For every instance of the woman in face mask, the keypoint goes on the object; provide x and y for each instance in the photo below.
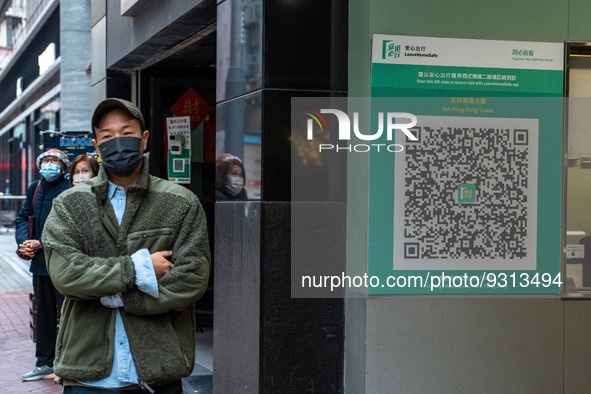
(230, 178)
(82, 169)
(53, 166)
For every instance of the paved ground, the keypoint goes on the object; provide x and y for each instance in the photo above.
(17, 350)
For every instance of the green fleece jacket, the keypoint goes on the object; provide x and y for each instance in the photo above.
(88, 257)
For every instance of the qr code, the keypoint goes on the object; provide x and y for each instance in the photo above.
(178, 165)
(466, 194)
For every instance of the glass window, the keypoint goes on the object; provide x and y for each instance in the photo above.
(576, 269)
(238, 143)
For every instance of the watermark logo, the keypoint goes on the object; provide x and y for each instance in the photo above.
(389, 121)
(320, 121)
(390, 50)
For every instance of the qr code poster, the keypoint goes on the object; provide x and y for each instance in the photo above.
(465, 194)
(179, 149)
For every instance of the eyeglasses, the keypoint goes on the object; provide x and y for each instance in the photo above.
(50, 159)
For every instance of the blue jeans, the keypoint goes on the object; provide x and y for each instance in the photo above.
(170, 388)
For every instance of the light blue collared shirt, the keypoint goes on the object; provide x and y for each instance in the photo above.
(124, 372)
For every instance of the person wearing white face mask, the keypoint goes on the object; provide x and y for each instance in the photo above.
(229, 178)
(52, 165)
(83, 168)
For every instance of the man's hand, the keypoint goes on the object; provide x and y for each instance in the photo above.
(160, 263)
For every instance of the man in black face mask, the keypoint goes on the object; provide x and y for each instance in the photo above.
(130, 252)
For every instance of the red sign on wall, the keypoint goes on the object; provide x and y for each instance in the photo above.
(191, 104)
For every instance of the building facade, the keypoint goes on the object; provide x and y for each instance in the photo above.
(45, 83)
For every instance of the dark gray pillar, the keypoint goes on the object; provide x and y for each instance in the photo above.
(265, 341)
(237, 308)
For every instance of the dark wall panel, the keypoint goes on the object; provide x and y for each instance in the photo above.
(302, 339)
(305, 44)
(237, 297)
(276, 159)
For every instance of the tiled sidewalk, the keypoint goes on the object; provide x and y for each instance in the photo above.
(17, 350)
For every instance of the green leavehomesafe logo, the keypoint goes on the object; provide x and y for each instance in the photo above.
(390, 50)
(466, 193)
